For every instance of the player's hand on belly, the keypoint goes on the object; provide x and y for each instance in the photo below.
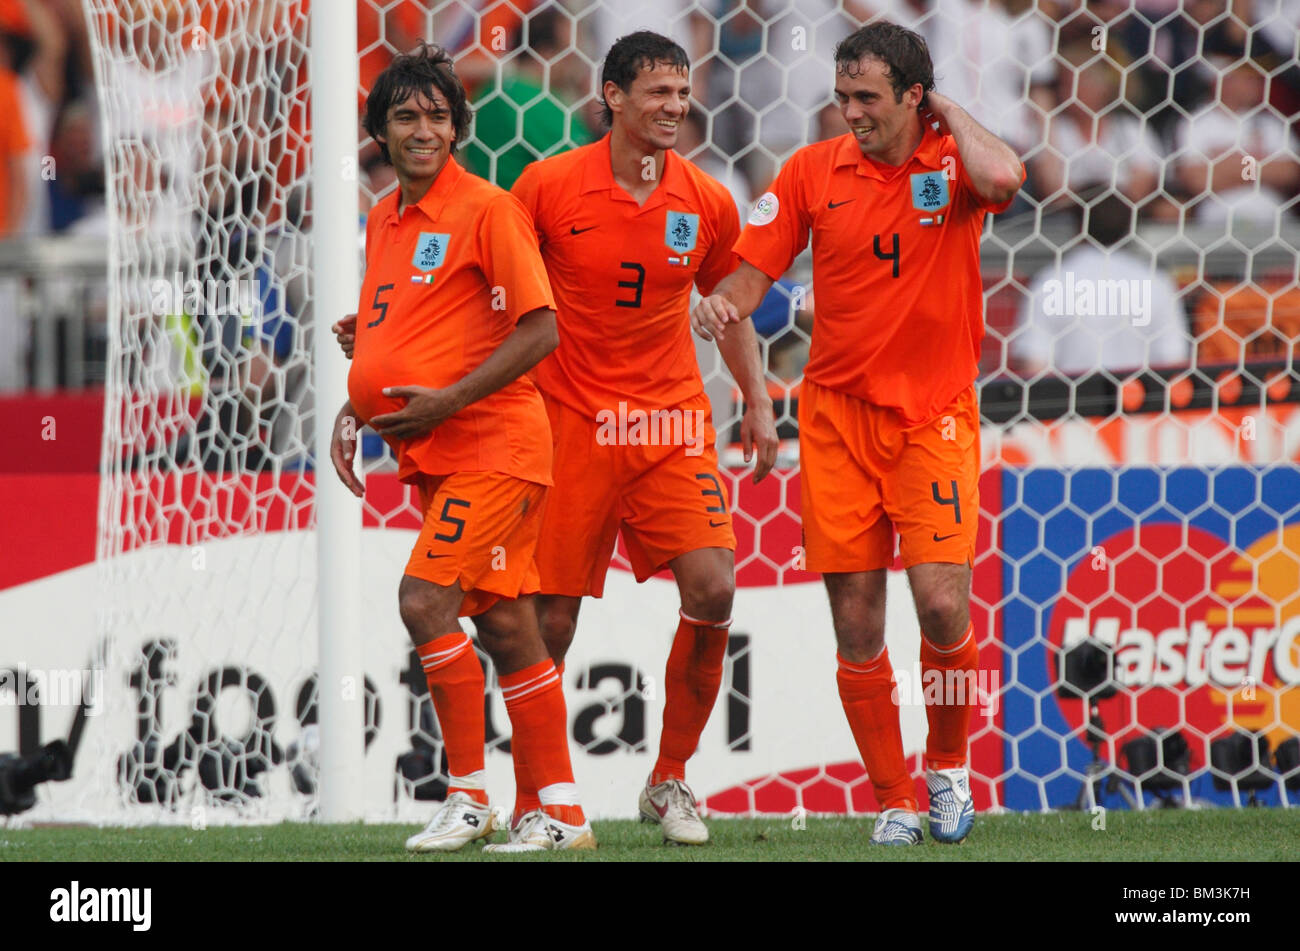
(711, 315)
(345, 331)
(425, 409)
(343, 446)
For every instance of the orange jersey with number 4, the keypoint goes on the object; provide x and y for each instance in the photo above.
(446, 282)
(622, 275)
(899, 303)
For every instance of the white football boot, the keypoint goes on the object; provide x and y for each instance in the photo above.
(897, 827)
(538, 832)
(951, 811)
(460, 821)
(672, 805)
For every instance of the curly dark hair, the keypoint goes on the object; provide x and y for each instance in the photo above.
(424, 69)
(632, 53)
(903, 52)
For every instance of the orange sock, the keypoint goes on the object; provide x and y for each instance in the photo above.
(691, 684)
(945, 747)
(867, 692)
(526, 798)
(456, 685)
(535, 703)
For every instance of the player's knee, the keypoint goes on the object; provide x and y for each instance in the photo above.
(710, 599)
(859, 643)
(942, 614)
(557, 628)
(419, 610)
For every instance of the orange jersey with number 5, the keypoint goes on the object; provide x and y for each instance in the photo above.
(446, 282)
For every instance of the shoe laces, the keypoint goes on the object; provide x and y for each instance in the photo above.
(680, 794)
(449, 814)
(527, 827)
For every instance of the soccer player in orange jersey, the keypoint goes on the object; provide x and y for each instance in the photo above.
(627, 227)
(456, 308)
(888, 421)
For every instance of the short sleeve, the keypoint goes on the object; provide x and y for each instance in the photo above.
(509, 259)
(527, 188)
(719, 262)
(779, 223)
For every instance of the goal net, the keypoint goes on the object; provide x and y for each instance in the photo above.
(1135, 588)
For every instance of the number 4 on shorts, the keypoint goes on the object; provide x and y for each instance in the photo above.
(952, 500)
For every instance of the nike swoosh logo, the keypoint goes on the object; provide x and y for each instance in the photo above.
(836, 204)
(662, 810)
(713, 524)
(573, 230)
(429, 554)
(936, 537)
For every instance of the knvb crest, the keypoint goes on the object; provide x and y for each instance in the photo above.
(430, 250)
(929, 191)
(682, 231)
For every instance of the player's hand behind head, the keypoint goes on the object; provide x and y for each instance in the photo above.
(345, 331)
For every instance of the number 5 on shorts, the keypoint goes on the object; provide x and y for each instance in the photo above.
(450, 519)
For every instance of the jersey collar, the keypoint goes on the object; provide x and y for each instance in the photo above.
(927, 155)
(598, 175)
(435, 199)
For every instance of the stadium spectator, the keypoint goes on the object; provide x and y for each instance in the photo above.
(1097, 139)
(523, 119)
(453, 358)
(76, 192)
(1259, 320)
(1103, 308)
(15, 147)
(1236, 158)
(889, 425)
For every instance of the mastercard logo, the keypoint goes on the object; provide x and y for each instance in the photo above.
(1203, 637)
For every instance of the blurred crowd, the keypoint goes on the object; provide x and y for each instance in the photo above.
(1188, 110)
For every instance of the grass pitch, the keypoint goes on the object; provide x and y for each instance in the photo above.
(1224, 835)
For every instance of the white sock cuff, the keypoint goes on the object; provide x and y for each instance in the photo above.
(475, 780)
(952, 648)
(696, 621)
(559, 794)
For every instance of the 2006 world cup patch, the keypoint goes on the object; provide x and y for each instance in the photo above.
(765, 209)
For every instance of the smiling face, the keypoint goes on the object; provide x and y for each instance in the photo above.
(652, 109)
(419, 134)
(885, 129)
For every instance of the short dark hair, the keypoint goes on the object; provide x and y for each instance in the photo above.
(632, 53)
(424, 69)
(903, 52)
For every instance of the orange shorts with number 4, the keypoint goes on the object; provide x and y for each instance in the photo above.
(480, 531)
(866, 475)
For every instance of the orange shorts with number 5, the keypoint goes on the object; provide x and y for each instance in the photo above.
(866, 475)
(480, 531)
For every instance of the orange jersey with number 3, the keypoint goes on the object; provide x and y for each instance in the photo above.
(899, 303)
(446, 282)
(622, 275)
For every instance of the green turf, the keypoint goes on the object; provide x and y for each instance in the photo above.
(1168, 835)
